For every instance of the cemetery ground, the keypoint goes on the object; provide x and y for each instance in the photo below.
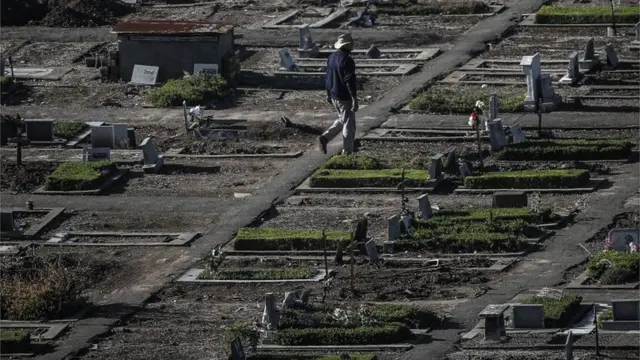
(417, 290)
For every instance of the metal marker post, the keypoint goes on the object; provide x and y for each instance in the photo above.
(479, 145)
(326, 262)
(595, 321)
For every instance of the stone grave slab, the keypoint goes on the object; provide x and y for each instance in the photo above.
(589, 60)
(286, 61)
(496, 135)
(120, 136)
(517, 133)
(621, 238)
(335, 17)
(435, 168)
(152, 161)
(40, 130)
(611, 56)
(531, 68)
(7, 223)
(205, 68)
(573, 70)
(494, 326)
(528, 316)
(414, 55)
(394, 230)
(372, 251)
(493, 107)
(399, 69)
(424, 207)
(510, 199)
(37, 73)
(626, 310)
(144, 75)
(464, 170)
(102, 136)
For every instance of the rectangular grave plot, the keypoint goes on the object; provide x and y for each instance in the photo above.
(387, 55)
(315, 19)
(120, 239)
(29, 224)
(583, 281)
(419, 135)
(40, 331)
(196, 275)
(362, 70)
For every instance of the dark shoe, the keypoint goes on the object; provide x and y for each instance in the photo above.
(322, 144)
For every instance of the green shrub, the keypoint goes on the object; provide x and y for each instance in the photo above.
(368, 178)
(388, 334)
(427, 229)
(195, 89)
(68, 129)
(5, 81)
(258, 274)
(412, 316)
(497, 214)
(557, 312)
(73, 176)
(352, 162)
(423, 8)
(532, 179)
(567, 150)
(14, 341)
(605, 316)
(284, 239)
(586, 14)
(463, 243)
(461, 100)
(625, 269)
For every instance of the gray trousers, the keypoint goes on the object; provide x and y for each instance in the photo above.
(346, 124)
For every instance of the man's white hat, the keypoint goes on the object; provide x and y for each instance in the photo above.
(343, 40)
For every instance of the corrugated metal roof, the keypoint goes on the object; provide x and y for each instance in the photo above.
(170, 27)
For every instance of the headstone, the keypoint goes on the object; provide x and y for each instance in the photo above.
(305, 296)
(101, 136)
(152, 161)
(120, 136)
(531, 68)
(286, 60)
(373, 53)
(451, 163)
(372, 252)
(306, 41)
(494, 327)
(387, 247)
(573, 70)
(550, 100)
(360, 231)
(237, 352)
(407, 219)
(98, 154)
(435, 169)
(620, 238)
(464, 170)
(270, 314)
(205, 68)
(637, 27)
(626, 310)
(568, 346)
(40, 129)
(510, 199)
(589, 61)
(517, 133)
(6, 221)
(144, 75)
(528, 316)
(612, 56)
(393, 228)
(496, 135)
(493, 107)
(289, 299)
(424, 207)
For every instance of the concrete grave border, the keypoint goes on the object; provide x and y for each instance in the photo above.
(335, 348)
(378, 134)
(108, 181)
(177, 153)
(305, 188)
(54, 74)
(335, 16)
(183, 239)
(77, 157)
(578, 282)
(34, 231)
(53, 332)
(594, 184)
(401, 70)
(423, 55)
(530, 21)
(191, 276)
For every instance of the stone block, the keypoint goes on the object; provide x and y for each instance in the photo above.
(144, 75)
(531, 68)
(286, 60)
(496, 135)
(424, 207)
(612, 56)
(6, 221)
(528, 316)
(589, 60)
(626, 310)
(373, 53)
(98, 154)
(435, 169)
(510, 199)
(620, 238)
(621, 325)
(388, 247)
(493, 107)
(393, 228)
(120, 136)
(40, 129)
(517, 133)
(464, 170)
(102, 136)
(372, 251)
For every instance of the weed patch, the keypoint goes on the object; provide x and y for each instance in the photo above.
(73, 176)
(352, 162)
(567, 150)
(14, 341)
(68, 129)
(369, 178)
(611, 267)
(461, 100)
(557, 312)
(462, 242)
(549, 14)
(529, 179)
(365, 335)
(196, 89)
(258, 274)
(284, 239)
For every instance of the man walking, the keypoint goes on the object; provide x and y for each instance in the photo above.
(341, 93)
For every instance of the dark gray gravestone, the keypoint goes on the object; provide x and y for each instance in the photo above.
(452, 161)
(39, 129)
(237, 351)
(435, 169)
(101, 136)
(144, 75)
(528, 316)
(373, 53)
(360, 232)
(6, 221)
(612, 56)
(372, 252)
(510, 199)
(626, 310)
(98, 154)
(424, 207)
(393, 228)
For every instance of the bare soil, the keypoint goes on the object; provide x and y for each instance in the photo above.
(25, 177)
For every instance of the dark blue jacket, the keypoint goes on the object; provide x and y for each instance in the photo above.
(341, 76)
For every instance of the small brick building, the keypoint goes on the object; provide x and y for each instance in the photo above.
(175, 47)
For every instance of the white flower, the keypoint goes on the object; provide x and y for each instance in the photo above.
(480, 104)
